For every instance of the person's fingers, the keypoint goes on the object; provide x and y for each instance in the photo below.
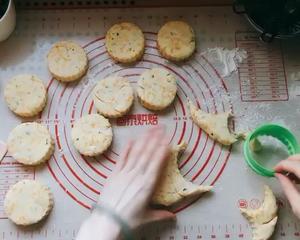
(157, 164)
(295, 157)
(138, 148)
(150, 150)
(288, 166)
(124, 156)
(158, 215)
(291, 193)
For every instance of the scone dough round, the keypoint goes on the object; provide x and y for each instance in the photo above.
(92, 134)
(25, 95)
(125, 42)
(30, 143)
(28, 202)
(113, 96)
(176, 41)
(156, 88)
(67, 61)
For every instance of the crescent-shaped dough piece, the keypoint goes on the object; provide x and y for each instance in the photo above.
(173, 187)
(215, 125)
(263, 231)
(266, 212)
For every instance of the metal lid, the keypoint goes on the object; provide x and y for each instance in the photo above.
(273, 18)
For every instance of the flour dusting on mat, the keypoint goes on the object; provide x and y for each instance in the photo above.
(224, 60)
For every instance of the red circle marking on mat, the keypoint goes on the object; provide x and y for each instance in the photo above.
(174, 71)
(65, 190)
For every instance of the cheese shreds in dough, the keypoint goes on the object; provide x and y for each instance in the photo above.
(125, 42)
(156, 88)
(92, 134)
(30, 143)
(215, 125)
(113, 96)
(173, 187)
(28, 202)
(263, 220)
(25, 95)
(67, 61)
(176, 41)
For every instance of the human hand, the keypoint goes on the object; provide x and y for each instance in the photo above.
(290, 165)
(131, 186)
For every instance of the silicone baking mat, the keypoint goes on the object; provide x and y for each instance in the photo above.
(261, 91)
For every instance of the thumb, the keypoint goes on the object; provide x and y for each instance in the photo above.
(158, 215)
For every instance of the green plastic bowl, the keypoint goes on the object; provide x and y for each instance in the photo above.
(276, 131)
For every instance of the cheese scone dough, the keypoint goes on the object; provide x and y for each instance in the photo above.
(28, 202)
(156, 88)
(92, 134)
(176, 41)
(215, 125)
(25, 95)
(125, 42)
(173, 187)
(30, 143)
(263, 220)
(113, 96)
(67, 61)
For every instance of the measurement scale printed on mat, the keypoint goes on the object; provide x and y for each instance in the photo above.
(261, 91)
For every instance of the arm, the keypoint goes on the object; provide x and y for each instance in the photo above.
(129, 189)
(290, 165)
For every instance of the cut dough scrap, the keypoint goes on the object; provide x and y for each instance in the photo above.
(173, 187)
(113, 96)
(215, 125)
(263, 231)
(67, 61)
(266, 212)
(255, 145)
(28, 202)
(30, 143)
(92, 134)
(25, 95)
(156, 88)
(125, 42)
(176, 41)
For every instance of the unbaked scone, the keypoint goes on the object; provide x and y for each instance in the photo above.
(263, 220)
(30, 143)
(176, 41)
(125, 42)
(67, 61)
(173, 187)
(215, 125)
(28, 202)
(156, 88)
(92, 134)
(25, 95)
(113, 96)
